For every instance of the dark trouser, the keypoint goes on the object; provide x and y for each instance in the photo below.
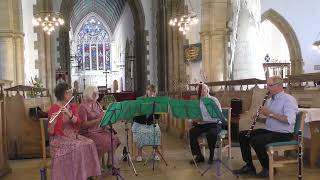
(211, 133)
(258, 140)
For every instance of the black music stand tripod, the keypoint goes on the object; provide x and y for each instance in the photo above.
(155, 149)
(126, 153)
(219, 161)
(114, 171)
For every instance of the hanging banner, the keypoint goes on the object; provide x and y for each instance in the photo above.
(192, 52)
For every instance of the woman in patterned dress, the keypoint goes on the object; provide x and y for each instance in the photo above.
(91, 113)
(74, 157)
(144, 133)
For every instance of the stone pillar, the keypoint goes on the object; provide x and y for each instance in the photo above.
(248, 59)
(214, 35)
(46, 49)
(11, 42)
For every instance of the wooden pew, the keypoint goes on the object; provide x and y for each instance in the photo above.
(23, 130)
(4, 163)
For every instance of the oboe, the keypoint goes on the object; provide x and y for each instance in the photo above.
(257, 115)
(300, 151)
(52, 119)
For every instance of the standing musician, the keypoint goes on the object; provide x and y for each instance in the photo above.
(279, 116)
(208, 126)
(74, 157)
(91, 114)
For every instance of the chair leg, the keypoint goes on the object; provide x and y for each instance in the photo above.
(271, 169)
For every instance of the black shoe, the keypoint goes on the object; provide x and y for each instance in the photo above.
(263, 174)
(245, 170)
(198, 159)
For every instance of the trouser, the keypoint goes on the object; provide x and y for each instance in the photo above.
(258, 139)
(211, 133)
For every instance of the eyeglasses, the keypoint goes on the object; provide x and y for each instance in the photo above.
(271, 85)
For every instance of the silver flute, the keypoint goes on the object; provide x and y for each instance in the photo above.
(53, 118)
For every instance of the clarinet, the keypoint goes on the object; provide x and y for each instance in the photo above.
(257, 115)
(300, 151)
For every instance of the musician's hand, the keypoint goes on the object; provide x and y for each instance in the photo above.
(265, 111)
(66, 111)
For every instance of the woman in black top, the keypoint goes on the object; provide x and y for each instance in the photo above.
(145, 129)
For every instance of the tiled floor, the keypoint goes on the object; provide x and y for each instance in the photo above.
(177, 154)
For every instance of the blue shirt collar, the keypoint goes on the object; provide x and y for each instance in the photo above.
(278, 95)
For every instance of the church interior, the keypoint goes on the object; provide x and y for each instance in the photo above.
(181, 67)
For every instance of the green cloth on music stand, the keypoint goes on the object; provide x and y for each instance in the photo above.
(213, 109)
(153, 105)
(189, 109)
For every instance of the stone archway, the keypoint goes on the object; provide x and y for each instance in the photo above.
(290, 36)
(140, 74)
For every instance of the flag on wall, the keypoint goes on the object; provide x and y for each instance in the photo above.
(192, 52)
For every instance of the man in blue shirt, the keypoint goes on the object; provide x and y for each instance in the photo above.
(279, 115)
(206, 125)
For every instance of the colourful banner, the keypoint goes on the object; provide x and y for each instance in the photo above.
(193, 52)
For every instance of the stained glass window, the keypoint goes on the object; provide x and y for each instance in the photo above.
(93, 45)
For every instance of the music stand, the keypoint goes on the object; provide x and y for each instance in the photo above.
(112, 116)
(186, 109)
(122, 111)
(159, 105)
(126, 154)
(214, 112)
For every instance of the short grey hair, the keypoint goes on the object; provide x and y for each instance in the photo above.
(277, 80)
(88, 93)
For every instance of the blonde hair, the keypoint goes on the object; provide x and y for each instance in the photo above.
(88, 93)
(152, 88)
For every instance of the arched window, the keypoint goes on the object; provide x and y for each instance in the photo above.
(93, 45)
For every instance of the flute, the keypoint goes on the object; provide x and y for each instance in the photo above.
(257, 115)
(52, 119)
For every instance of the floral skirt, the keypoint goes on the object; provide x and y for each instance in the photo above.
(146, 134)
(74, 157)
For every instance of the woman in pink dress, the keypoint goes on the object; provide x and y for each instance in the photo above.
(91, 113)
(74, 157)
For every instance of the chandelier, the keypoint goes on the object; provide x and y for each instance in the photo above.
(184, 22)
(48, 20)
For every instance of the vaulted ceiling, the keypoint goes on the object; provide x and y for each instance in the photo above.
(109, 10)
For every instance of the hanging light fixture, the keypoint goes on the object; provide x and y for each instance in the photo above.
(48, 20)
(184, 22)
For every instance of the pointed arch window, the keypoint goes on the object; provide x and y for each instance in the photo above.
(93, 45)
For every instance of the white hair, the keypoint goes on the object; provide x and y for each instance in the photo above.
(88, 93)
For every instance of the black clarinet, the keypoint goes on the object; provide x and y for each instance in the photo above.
(300, 151)
(257, 115)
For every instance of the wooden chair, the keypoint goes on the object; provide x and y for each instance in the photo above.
(225, 142)
(45, 163)
(274, 148)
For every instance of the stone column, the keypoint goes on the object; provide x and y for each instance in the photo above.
(248, 59)
(11, 42)
(214, 35)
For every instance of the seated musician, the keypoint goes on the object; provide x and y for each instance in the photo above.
(143, 128)
(208, 126)
(74, 157)
(279, 115)
(91, 113)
